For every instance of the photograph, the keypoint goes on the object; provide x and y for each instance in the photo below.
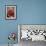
(10, 12)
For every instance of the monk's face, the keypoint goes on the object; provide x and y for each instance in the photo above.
(10, 12)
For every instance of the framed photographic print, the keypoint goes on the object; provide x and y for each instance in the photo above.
(10, 12)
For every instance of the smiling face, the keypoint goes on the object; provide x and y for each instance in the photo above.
(10, 11)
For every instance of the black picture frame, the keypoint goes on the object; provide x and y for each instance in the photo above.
(15, 12)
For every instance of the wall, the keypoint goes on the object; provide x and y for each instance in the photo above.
(28, 12)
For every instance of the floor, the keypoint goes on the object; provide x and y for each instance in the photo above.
(30, 43)
(7, 45)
